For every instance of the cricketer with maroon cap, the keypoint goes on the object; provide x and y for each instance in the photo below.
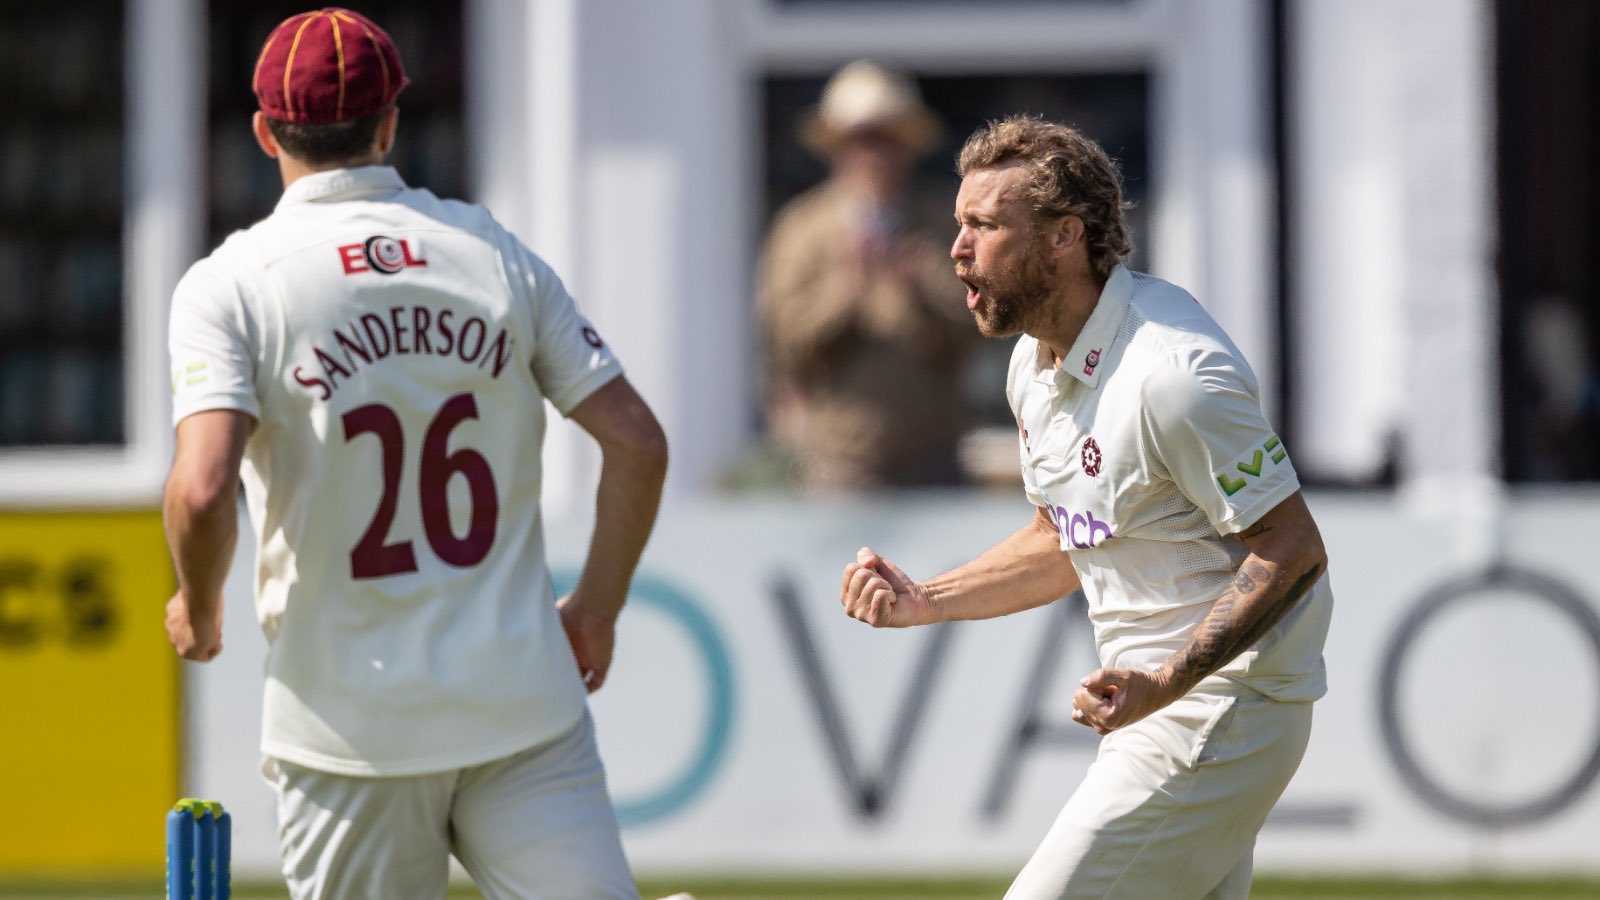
(371, 364)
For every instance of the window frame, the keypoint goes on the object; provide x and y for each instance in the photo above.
(164, 69)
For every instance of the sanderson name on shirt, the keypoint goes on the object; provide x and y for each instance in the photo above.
(405, 331)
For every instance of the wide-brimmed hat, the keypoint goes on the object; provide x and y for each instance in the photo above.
(864, 96)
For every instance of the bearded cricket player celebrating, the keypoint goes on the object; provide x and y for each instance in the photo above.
(1163, 493)
(373, 361)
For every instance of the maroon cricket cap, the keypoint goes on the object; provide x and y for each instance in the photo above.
(331, 65)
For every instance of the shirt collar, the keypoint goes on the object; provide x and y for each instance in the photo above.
(342, 184)
(1094, 341)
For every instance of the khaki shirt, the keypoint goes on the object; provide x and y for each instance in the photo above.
(863, 364)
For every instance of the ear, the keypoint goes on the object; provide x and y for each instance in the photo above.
(1066, 237)
(264, 138)
(386, 130)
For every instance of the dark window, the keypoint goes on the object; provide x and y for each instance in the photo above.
(428, 151)
(61, 304)
(1549, 187)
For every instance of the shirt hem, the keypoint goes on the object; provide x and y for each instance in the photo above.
(1290, 694)
(1252, 514)
(335, 765)
(570, 399)
(228, 403)
(1280, 687)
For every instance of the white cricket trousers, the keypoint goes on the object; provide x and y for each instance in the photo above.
(1171, 805)
(536, 824)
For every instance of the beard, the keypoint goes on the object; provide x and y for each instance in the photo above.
(1016, 296)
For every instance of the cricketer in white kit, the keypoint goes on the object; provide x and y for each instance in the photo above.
(1161, 490)
(372, 362)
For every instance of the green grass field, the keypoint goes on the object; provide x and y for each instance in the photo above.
(715, 888)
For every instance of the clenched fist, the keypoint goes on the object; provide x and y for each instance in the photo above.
(1108, 699)
(879, 594)
(195, 640)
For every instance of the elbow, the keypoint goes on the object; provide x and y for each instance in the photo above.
(211, 501)
(202, 495)
(653, 453)
(644, 451)
(1313, 556)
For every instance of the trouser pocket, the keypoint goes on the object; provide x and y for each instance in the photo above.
(1213, 730)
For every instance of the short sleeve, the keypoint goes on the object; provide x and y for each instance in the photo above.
(209, 339)
(570, 359)
(1202, 418)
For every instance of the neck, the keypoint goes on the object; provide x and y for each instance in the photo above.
(1075, 299)
(293, 170)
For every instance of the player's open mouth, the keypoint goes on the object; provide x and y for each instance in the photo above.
(973, 293)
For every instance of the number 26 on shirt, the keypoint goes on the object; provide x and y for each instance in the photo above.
(374, 556)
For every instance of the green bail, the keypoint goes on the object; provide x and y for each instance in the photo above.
(198, 808)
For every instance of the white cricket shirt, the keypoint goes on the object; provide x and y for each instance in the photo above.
(396, 350)
(1150, 451)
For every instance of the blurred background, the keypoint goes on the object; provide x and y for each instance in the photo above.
(1391, 205)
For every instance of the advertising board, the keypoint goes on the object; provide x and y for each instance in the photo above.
(748, 725)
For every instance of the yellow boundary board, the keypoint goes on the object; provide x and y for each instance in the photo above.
(89, 696)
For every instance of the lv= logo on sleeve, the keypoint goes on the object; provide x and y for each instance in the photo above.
(1271, 450)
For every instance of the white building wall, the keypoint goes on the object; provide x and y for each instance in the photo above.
(1451, 405)
(1214, 232)
(618, 148)
(1391, 161)
(665, 244)
(1348, 252)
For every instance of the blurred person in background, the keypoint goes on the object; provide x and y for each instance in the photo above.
(861, 318)
(377, 360)
(1161, 491)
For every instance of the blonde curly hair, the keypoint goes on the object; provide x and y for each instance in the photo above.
(1067, 175)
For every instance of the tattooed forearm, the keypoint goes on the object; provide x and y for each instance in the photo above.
(1246, 611)
(1220, 629)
